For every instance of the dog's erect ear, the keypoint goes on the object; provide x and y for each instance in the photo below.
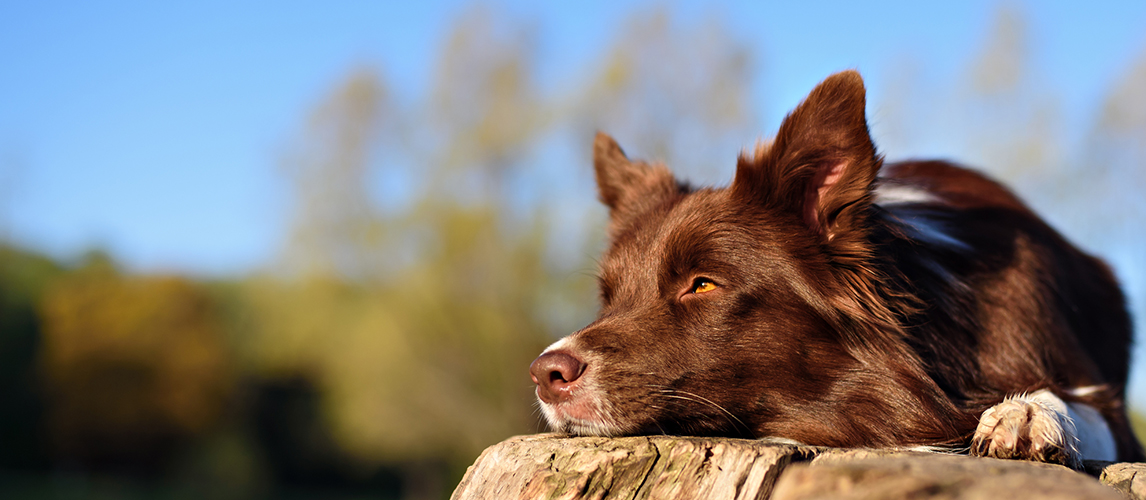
(822, 163)
(626, 186)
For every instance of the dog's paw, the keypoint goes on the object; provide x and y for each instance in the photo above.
(1028, 427)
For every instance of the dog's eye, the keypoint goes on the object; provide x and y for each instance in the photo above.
(703, 285)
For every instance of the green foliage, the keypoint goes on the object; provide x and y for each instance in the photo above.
(419, 320)
(130, 356)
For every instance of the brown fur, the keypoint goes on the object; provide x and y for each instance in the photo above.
(834, 321)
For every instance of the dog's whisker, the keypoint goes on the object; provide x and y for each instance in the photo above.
(732, 419)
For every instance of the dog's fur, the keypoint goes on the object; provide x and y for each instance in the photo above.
(814, 301)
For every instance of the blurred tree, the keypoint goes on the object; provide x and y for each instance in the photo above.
(133, 366)
(334, 230)
(418, 320)
(1112, 166)
(1010, 121)
(680, 93)
(425, 359)
(484, 109)
(24, 276)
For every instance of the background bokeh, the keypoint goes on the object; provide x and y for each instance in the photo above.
(308, 250)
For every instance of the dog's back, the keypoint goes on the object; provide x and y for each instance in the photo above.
(1011, 306)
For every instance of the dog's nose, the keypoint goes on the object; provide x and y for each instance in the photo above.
(554, 373)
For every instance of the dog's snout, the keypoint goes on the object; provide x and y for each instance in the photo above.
(555, 373)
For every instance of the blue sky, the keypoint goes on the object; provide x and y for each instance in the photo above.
(154, 130)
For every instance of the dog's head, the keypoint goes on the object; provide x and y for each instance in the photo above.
(727, 311)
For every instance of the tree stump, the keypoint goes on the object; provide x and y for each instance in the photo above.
(551, 466)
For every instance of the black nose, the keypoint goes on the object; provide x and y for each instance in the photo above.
(555, 373)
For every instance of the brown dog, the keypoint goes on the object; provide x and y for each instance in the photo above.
(814, 301)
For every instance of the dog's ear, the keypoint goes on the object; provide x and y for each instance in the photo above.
(626, 186)
(820, 169)
(822, 163)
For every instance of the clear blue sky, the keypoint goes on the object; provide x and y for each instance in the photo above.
(154, 129)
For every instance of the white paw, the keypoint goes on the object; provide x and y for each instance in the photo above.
(1033, 426)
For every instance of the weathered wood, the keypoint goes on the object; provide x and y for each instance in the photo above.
(864, 474)
(549, 466)
(552, 467)
(1129, 478)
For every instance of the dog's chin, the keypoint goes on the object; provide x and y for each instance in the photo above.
(580, 420)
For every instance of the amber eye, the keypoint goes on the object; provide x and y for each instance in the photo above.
(703, 285)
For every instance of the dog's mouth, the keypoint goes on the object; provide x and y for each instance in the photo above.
(581, 415)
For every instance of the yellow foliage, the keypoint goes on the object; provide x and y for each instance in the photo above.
(131, 356)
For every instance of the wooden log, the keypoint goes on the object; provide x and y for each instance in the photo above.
(872, 474)
(1122, 476)
(550, 466)
(553, 467)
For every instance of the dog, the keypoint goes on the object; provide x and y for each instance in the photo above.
(828, 299)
